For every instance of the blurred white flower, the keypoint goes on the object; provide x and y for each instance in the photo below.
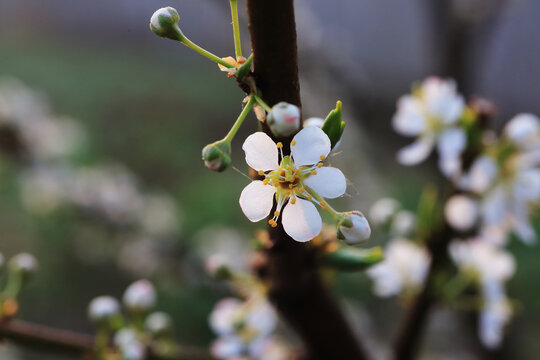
(403, 223)
(404, 267)
(44, 189)
(383, 210)
(103, 308)
(131, 348)
(524, 131)
(431, 114)
(140, 296)
(158, 323)
(158, 215)
(291, 182)
(461, 212)
(139, 256)
(24, 263)
(242, 327)
(493, 319)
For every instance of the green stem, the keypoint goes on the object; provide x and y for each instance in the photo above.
(13, 285)
(236, 28)
(240, 120)
(262, 103)
(205, 53)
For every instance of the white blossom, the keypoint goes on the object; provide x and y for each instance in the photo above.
(131, 348)
(431, 115)
(404, 267)
(403, 223)
(383, 210)
(102, 308)
(24, 263)
(158, 323)
(296, 183)
(140, 296)
(242, 326)
(461, 212)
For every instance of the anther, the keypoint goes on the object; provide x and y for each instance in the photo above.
(279, 145)
(293, 201)
(265, 182)
(276, 213)
(293, 142)
(261, 173)
(314, 172)
(301, 189)
(323, 157)
(319, 165)
(290, 186)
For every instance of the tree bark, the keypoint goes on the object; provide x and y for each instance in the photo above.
(296, 287)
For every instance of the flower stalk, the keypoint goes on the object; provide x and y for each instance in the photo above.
(236, 28)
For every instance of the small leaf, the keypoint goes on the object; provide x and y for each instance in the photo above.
(352, 259)
(333, 125)
(244, 69)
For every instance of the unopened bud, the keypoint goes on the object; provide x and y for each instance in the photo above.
(524, 130)
(217, 156)
(164, 23)
(140, 296)
(127, 341)
(103, 308)
(354, 228)
(25, 264)
(284, 119)
(461, 212)
(158, 324)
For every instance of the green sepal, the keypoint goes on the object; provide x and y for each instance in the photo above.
(219, 152)
(245, 68)
(333, 126)
(352, 259)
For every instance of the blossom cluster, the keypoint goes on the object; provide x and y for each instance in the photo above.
(135, 331)
(497, 188)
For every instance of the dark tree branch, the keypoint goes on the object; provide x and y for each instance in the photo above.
(296, 288)
(65, 342)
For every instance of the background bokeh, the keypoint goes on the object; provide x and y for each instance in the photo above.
(151, 105)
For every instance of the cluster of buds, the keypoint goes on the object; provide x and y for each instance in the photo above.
(135, 330)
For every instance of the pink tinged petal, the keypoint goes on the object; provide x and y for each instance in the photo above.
(256, 200)
(261, 152)
(329, 182)
(301, 220)
(311, 146)
(409, 119)
(416, 152)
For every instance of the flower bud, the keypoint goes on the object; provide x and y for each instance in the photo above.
(164, 23)
(103, 308)
(217, 156)
(284, 119)
(25, 264)
(140, 296)
(354, 228)
(127, 341)
(461, 212)
(158, 324)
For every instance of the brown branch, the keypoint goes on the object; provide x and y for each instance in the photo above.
(296, 287)
(65, 342)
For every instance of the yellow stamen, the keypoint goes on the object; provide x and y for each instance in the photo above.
(314, 172)
(293, 201)
(309, 197)
(301, 189)
(319, 165)
(265, 182)
(261, 173)
(323, 205)
(290, 186)
(293, 142)
(323, 157)
(279, 145)
(276, 213)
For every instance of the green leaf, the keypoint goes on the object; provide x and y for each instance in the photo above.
(333, 125)
(352, 259)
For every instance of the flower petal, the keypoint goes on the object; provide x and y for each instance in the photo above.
(416, 152)
(256, 200)
(329, 182)
(261, 152)
(311, 146)
(301, 220)
(409, 119)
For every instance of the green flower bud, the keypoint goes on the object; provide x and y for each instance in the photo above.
(217, 156)
(164, 23)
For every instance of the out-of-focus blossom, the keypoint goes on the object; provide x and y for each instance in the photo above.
(159, 216)
(431, 114)
(404, 268)
(491, 267)
(129, 345)
(44, 188)
(524, 131)
(284, 119)
(24, 263)
(158, 323)
(139, 256)
(291, 182)
(383, 210)
(140, 296)
(243, 327)
(103, 308)
(461, 212)
(403, 223)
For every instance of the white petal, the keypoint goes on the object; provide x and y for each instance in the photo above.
(482, 174)
(451, 143)
(301, 220)
(416, 152)
(310, 144)
(409, 119)
(461, 212)
(226, 347)
(329, 182)
(256, 200)
(261, 152)
(314, 121)
(524, 130)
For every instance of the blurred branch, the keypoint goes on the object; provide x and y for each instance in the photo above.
(296, 288)
(44, 338)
